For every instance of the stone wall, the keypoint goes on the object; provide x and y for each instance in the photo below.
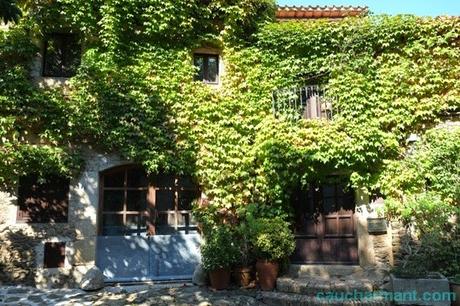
(22, 247)
(403, 242)
(21, 252)
(375, 250)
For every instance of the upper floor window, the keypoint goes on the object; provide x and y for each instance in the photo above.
(61, 55)
(208, 67)
(43, 200)
(307, 102)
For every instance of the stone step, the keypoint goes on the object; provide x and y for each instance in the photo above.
(324, 270)
(292, 299)
(314, 285)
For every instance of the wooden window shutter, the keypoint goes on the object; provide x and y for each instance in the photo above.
(43, 201)
(54, 255)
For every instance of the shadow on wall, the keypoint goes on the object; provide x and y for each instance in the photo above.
(144, 258)
(22, 249)
(403, 242)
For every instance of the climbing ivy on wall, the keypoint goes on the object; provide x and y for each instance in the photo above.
(135, 94)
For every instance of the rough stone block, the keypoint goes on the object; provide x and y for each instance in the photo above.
(92, 280)
(425, 290)
(85, 251)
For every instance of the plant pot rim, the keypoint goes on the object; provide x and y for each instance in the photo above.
(217, 269)
(243, 268)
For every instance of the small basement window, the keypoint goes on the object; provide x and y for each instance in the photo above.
(208, 67)
(61, 56)
(54, 256)
(43, 200)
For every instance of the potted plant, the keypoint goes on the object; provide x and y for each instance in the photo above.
(219, 252)
(455, 289)
(413, 276)
(273, 240)
(243, 271)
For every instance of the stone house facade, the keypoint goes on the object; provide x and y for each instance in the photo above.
(57, 254)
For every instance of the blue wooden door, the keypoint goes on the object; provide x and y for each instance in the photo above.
(146, 231)
(162, 257)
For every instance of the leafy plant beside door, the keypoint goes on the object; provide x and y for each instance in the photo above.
(243, 270)
(219, 253)
(273, 241)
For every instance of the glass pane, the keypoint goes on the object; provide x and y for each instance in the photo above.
(112, 219)
(329, 205)
(186, 223)
(114, 179)
(112, 225)
(328, 190)
(163, 181)
(54, 57)
(136, 200)
(186, 199)
(186, 182)
(136, 224)
(165, 224)
(341, 190)
(349, 202)
(212, 69)
(62, 55)
(137, 178)
(183, 219)
(199, 63)
(164, 200)
(71, 51)
(113, 200)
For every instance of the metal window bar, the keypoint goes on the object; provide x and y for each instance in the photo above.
(306, 102)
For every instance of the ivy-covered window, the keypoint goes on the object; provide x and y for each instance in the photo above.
(61, 56)
(43, 200)
(208, 68)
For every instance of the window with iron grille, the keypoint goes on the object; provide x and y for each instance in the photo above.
(61, 56)
(307, 102)
(208, 67)
(54, 255)
(43, 200)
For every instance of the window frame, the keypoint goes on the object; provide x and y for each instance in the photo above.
(24, 216)
(151, 212)
(53, 35)
(176, 188)
(53, 260)
(206, 57)
(124, 212)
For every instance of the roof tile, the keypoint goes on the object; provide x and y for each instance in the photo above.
(316, 12)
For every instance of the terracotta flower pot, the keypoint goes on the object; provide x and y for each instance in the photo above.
(220, 278)
(455, 288)
(267, 272)
(243, 276)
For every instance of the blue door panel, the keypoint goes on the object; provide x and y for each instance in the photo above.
(134, 258)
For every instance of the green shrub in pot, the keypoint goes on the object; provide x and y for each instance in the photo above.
(273, 241)
(272, 238)
(243, 270)
(219, 252)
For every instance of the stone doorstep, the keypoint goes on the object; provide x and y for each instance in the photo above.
(312, 285)
(299, 270)
(292, 299)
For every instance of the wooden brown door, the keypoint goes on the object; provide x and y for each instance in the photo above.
(325, 226)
